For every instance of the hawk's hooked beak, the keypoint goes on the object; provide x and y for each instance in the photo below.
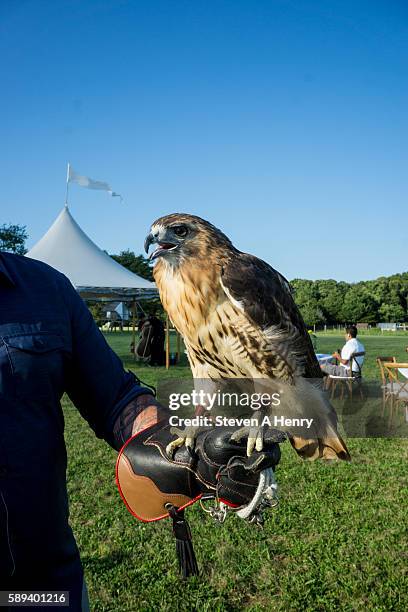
(162, 247)
(148, 241)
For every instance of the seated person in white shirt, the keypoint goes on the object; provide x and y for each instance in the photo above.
(351, 347)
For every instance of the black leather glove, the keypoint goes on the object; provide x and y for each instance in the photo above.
(148, 480)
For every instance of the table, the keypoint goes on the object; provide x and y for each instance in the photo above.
(323, 358)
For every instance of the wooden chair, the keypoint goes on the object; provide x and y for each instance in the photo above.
(384, 379)
(380, 362)
(351, 378)
(396, 387)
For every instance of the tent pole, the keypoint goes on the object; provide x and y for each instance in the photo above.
(134, 330)
(66, 190)
(178, 347)
(167, 343)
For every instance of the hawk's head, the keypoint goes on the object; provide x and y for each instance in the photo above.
(180, 236)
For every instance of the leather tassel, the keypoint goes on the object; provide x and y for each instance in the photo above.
(184, 546)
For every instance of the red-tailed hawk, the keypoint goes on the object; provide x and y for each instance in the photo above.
(238, 319)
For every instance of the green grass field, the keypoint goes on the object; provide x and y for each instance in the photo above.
(337, 541)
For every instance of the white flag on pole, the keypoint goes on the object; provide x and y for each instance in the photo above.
(85, 181)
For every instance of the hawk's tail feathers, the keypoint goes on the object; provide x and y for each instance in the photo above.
(326, 448)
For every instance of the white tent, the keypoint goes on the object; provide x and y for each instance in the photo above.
(123, 311)
(94, 274)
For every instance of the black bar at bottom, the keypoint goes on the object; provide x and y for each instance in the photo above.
(34, 599)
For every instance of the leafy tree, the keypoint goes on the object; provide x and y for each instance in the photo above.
(331, 296)
(391, 312)
(135, 263)
(312, 314)
(358, 306)
(306, 296)
(379, 289)
(382, 299)
(13, 238)
(96, 309)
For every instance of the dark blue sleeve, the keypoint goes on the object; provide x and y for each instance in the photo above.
(96, 382)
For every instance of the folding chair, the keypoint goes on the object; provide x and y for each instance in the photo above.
(396, 388)
(349, 379)
(384, 379)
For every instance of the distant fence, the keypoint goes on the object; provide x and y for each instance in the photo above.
(365, 328)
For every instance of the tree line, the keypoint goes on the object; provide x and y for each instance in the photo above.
(384, 299)
(321, 302)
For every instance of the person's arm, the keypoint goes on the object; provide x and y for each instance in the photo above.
(141, 413)
(113, 401)
(340, 359)
(343, 360)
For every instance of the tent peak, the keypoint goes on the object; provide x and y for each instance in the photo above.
(66, 247)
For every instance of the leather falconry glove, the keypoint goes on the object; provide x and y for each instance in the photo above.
(155, 486)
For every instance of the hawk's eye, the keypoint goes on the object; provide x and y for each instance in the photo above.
(180, 230)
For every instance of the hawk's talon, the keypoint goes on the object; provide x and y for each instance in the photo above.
(186, 436)
(255, 438)
(173, 446)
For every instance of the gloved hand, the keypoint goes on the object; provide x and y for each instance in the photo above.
(149, 481)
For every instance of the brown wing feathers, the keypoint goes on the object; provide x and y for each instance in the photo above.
(266, 298)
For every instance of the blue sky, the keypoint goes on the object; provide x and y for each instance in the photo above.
(282, 122)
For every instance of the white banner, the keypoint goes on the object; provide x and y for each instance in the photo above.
(85, 181)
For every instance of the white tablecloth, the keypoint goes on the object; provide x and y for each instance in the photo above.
(324, 357)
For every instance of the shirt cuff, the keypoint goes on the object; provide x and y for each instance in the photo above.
(128, 398)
